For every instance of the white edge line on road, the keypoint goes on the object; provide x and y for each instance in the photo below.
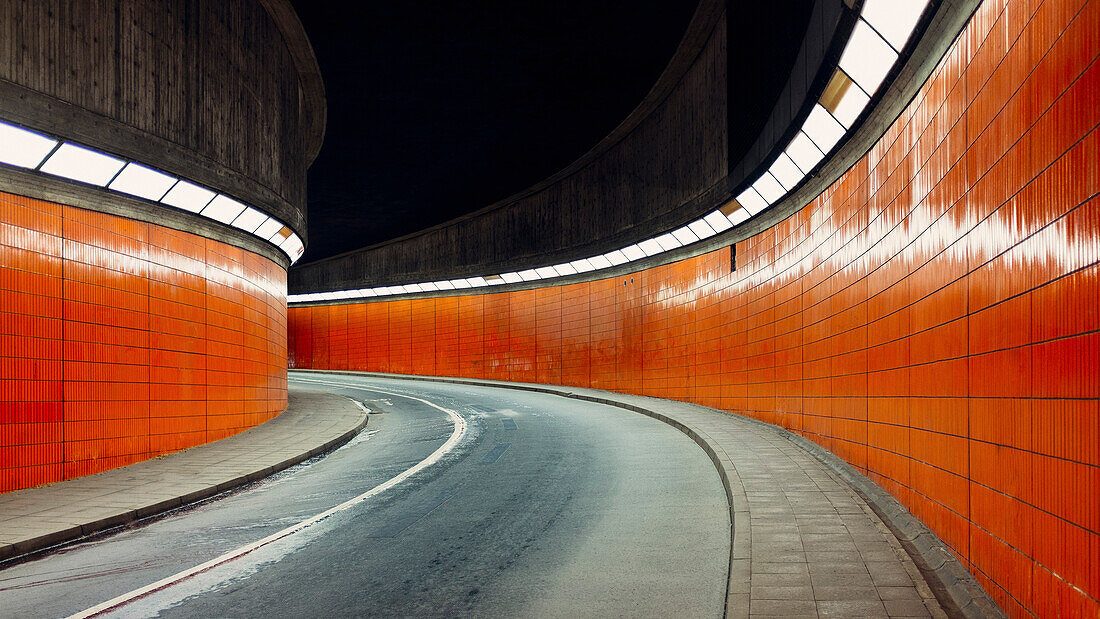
(361, 405)
(456, 436)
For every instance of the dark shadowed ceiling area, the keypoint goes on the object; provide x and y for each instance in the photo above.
(437, 109)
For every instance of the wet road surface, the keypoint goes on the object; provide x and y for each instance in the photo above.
(540, 506)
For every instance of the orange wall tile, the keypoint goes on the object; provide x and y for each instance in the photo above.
(932, 317)
(122, 340)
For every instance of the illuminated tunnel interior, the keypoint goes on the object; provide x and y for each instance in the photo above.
(581, 309)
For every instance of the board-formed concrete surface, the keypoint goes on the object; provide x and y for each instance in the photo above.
(37, 518)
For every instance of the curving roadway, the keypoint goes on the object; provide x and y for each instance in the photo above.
(456, 500)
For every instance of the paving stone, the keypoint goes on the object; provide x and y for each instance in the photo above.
(835, 579)
(798, 579)
(805, 592)
(906, 608)
(772, 567)
(783, 608)
(851, 608)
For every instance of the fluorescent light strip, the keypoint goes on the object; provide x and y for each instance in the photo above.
(804, 152)
(769, 188)
(249, 220)
(823, 129)
(582, 266)
(739, 216)
(82, 164)
(650, 247)
(685, 235)
(564, 269)
(717, 221)
(751, 201)
(138, 180)
(702, 229)
(223, 208)
(22, 148)
(268, 228)
(851, 106)
(600, 262)
(786, 172)
(867, 59)
(668, 242)
(894, 19)
(188, 196)
(617, 257)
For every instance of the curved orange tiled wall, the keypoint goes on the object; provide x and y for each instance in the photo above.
(121, 340)
(932, 317)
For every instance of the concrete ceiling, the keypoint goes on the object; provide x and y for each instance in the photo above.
(438, 109)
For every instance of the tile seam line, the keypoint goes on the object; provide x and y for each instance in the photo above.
(955, 588)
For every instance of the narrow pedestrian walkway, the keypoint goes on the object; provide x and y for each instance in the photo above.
(37, 518)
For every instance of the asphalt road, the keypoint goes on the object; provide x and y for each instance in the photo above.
(544, 506)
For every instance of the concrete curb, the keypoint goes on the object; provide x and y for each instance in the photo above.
(23, 548)
(954, 586)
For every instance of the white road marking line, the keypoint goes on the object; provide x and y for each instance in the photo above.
(456, 436)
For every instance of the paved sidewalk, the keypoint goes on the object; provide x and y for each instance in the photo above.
(314, 423)
(809, 536)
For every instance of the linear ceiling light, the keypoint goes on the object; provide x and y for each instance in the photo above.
(582, 266)
(618, 257)
(786, 172)
(631, 253)
(249, 220)
(564, 269)
(650, 247)
(82, 164)
(23, 148)
(600, 262)
(138, 180)
(685, 235)
(223, 208)
(894, 19)
(717, 220)
(867, 58)
(804, 153)
(751, 201)
(668, 242)
(268, 228)
(293, 247)
(702, 229)
(823, 129)
(188, 196)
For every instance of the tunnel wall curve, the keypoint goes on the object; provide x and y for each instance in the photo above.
(225, 94)
(122, 340)
(931, 317)
(132, 325)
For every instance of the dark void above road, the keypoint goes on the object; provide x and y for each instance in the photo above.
(528, 504)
